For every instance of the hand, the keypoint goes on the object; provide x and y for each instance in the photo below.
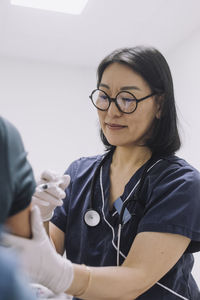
(50, 192)
(40, 260)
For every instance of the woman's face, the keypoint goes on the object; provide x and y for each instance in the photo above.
(122, 129)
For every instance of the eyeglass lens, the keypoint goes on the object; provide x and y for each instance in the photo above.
(125, 101)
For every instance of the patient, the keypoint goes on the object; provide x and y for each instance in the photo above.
(16, 188)
(17, 183)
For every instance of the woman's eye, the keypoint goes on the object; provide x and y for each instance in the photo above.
(127, 99)
(103, 97)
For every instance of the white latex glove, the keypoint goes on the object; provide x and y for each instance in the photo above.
(39, 258)
(50, 192)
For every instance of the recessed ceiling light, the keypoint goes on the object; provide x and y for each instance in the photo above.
(74, 7)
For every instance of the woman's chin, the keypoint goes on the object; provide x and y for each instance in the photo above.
(115, 142)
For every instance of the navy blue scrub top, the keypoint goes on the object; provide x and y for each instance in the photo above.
(171, 204)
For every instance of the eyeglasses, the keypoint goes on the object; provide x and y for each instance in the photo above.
(125, 101)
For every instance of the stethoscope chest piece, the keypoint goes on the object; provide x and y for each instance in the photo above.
(92, 218)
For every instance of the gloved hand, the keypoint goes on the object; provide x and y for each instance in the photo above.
(39, 258)
(50, 192)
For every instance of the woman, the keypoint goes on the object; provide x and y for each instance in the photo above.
(144, 207)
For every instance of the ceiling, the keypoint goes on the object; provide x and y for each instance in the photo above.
(103, 26)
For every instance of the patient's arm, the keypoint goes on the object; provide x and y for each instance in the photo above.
(19, 223)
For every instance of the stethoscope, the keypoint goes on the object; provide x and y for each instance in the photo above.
(92, 216)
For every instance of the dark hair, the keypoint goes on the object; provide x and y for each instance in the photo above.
(149, 63)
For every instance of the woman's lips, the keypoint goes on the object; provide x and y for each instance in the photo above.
(115, 126)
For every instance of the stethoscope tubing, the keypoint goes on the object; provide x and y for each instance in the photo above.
(91, 216)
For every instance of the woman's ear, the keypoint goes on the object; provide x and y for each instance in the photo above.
(159, 105)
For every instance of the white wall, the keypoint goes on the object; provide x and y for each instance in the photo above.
(184, 61)
(49, 104)
(185, 66)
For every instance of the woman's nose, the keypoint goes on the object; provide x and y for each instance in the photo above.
(113, 110)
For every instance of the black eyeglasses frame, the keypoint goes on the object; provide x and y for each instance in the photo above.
(115, 100)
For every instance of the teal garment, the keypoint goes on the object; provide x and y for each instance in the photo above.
(17, 182)
(17, 186)
(13, 285)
